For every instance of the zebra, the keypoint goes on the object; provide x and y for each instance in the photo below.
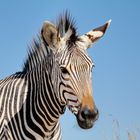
(56, 74)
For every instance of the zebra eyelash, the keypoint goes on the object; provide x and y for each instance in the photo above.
(64, 70)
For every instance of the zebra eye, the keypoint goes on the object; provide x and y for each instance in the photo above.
(64, 70)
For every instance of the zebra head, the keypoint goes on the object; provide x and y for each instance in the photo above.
(72, 67)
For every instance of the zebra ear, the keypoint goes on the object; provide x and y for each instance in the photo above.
(93, 35)
(50, 35)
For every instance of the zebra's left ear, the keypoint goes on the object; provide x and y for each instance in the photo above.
(93, 35)
(50, 35)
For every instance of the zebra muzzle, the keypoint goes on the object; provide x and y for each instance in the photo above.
(86, 117)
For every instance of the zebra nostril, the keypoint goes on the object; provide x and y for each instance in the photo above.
(86, 114)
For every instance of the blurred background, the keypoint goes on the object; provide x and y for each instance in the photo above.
(116, 76)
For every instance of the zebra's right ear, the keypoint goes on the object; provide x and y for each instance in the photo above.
(50, 35)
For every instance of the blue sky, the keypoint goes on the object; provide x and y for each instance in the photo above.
(116, 81)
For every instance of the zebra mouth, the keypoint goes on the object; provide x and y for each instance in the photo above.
(85, 124)
(74, 109)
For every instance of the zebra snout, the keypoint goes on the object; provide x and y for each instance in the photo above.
(87, 117)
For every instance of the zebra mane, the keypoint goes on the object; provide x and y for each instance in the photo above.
(66, 22)
(39, 50)
(36, 54)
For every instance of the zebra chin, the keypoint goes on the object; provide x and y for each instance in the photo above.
(85, 124)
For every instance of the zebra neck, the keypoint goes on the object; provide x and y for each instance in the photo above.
(42, 102)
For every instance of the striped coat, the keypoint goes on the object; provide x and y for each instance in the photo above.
(56, 75)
